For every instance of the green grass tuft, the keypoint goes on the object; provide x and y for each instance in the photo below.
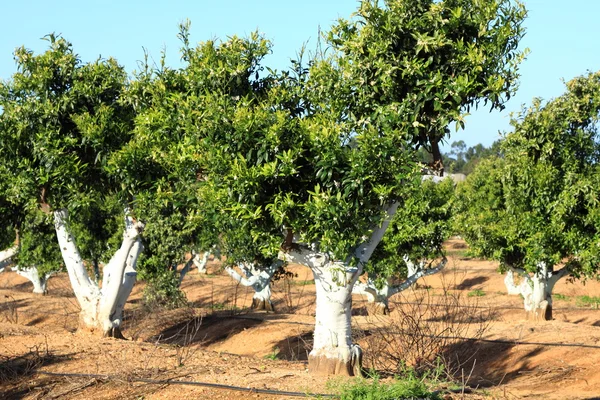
(476, 293)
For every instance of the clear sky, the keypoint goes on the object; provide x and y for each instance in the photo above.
(563, 37)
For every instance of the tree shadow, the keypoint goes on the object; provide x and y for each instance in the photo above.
(295, 348)
(16, 372)
(203, 330)
(485, 363)
(471, 282)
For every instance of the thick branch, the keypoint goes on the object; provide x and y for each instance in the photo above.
(364, 289)
(8, 253)
(365, 250)
(186, 269)
(84, 288)
(555, 277)
(416, 276)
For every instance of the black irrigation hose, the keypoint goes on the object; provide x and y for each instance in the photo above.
(188, 383)
(516, 342)
(492, 307)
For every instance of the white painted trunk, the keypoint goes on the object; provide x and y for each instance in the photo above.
(333, 352)
(98, 306)
(40, 282)
(537, 291)
(509, 281)
(7, 254)
(200, 262)
(260, 280)
(129, 279)
(380, 296)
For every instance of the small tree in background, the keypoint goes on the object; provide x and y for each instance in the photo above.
(544, 195)
(412, 246)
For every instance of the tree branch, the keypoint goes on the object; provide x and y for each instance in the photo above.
(415, 277)
(365, 250)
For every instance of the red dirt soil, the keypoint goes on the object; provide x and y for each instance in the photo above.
(218, 340)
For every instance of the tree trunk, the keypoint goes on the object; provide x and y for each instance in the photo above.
(538, 302)
(6, 255)
(509, 282)
(40, 282)
(537, 292)
(260, 280)
(333, 352)
(129, 279)
(98, 306)
(437, 164)
(200, 262)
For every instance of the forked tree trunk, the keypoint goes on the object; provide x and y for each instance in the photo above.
(260, 280)
(40, 282)
(200, 262)
(378, 298)
(333, 352)
(101, 308)
(536, 291)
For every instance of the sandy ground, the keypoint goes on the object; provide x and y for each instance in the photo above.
(218, 340)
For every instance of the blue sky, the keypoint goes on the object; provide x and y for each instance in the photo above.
(562, 36)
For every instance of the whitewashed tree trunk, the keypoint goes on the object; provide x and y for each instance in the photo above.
(379, 297)
(536, 290)
(200, 262)
(333, 352)
(260, 280)
(98, 305)
(129, 279)
(7, 254)
(40, 282)
(511, 286)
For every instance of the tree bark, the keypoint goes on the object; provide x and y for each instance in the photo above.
(40, 282)
(260, 280)
(200, 262)
(437, 164)
(98, 306)
(378, 298)
(537, 292)
(7, 254)
(333, 352)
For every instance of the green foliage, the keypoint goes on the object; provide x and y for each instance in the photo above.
(162, 290)
(402, 388)
(476, 293)
(37, 244)
(558, 296)
(60, 121)
(418, 230)
(540, 203)
(593, 301)
(274, 355)
(417, 66)
(325, 166)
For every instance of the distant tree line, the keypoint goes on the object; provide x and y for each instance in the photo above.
(460, 158)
